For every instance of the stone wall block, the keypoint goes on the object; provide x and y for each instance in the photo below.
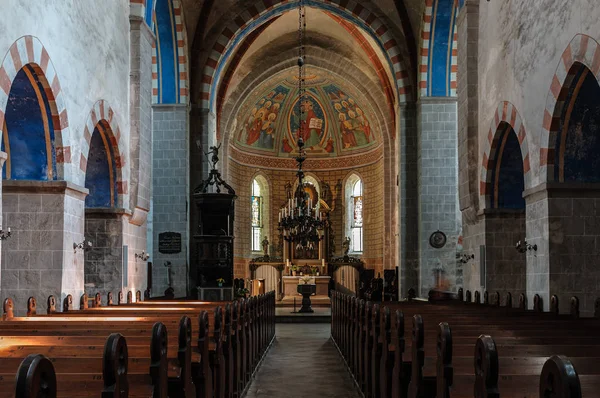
(30, 203)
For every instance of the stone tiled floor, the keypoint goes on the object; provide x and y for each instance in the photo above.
(302, 363)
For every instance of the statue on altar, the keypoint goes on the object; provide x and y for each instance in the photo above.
(346, 245)
(265, 246)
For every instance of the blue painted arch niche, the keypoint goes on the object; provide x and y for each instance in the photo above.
(101, 171)
(28, 137)
(577, 146)
(506, 166)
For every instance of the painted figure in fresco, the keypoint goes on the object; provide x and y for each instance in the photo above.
(354, 126)
(260, 126)
(348, 138)
(311, 125)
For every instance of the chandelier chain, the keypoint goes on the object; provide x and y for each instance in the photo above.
(300, 220)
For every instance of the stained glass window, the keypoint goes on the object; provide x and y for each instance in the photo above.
(357, 219)
(256, 213)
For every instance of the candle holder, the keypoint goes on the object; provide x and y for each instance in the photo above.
(5, 234)
(523, 246)
(85, 245)
(142, 256)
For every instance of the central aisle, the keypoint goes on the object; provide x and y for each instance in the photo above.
(302, 363)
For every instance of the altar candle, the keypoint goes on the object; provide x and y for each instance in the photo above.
(323, 263)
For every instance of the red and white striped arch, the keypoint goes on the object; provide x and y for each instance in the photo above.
(352, 8)
(29, 50)
(505, 112)
(102, 112)
(424, 53)
(181, 45)
(584, 50)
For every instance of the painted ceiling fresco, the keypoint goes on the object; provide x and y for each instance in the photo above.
(333, 121)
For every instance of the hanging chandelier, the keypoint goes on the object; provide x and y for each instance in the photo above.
(300, 220)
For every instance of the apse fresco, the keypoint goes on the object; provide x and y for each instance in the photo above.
(355, 129)
(310, 125)
(508, 177)
(29, 132)
(259, 129)
(334, 122)
(578, 144)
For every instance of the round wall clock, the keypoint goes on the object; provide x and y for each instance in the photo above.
(437, 239)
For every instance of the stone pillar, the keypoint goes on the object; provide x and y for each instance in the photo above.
(505, 266)
(3, 157)
(438, 181)
(140, 148)
(104, 261)
(564, 223)
(409, 200)
(140, 188)
(473, 227)
(538, 263)
(468, 109)
(170, 193)
(47, 218)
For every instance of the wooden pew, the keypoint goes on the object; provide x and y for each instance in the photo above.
(443, 370)
(258, 311)
(110, 375)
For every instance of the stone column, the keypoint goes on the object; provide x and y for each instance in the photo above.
(140, 188)
(473, 227)
(468, 107)
(47, 218)
(409, 200)
(104, 260)
(3, 157)
(505, 266)
(564, 223)
(170, 192)
(538, 263)
(438, 181)
(140, 149)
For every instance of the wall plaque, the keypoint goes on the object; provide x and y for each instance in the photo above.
(169, 242)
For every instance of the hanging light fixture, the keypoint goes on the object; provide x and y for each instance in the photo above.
(300, 220)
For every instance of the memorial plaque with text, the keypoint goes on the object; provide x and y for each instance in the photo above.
(169, 242)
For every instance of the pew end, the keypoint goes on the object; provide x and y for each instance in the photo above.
(51, 305)
(559, 379)
(114, 367)
(31, 306)
(486, 368)
(8, 309)
(35, 378)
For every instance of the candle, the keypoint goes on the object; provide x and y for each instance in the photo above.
(323, 262)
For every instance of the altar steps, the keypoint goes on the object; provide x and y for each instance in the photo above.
(286, 315)
(320, 304)
(317, 301)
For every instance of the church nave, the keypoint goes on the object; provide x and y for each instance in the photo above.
(302, 362)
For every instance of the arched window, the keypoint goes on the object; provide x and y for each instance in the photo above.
(354, 213)
(256, 214)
